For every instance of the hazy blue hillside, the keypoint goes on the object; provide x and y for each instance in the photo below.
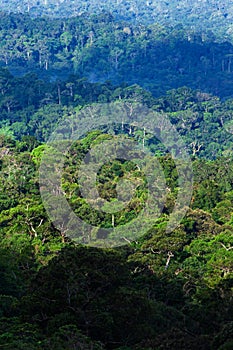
(211, 14)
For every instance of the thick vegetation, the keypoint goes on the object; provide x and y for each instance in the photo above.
(171, 290)
(31, 106)
(214, 16)
(156, 57)
(159, 291)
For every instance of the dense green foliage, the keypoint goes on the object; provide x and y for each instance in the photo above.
(156, 57)
(171, 290)
(31, 106)
(162, 290)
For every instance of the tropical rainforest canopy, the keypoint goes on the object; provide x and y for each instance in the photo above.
(161, 290)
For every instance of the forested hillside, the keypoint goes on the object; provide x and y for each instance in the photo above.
(31, 106)
(156, 57)
(155, 289)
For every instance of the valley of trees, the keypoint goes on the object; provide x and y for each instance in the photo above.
(162, 290)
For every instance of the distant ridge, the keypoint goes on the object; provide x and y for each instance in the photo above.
(146, 11)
